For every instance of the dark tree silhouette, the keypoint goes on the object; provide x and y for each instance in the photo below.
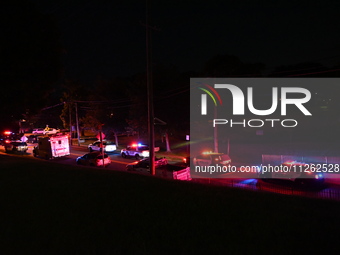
(231, 66)
(30, 58)
(307, 69)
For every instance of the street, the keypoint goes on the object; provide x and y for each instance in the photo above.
(331, 189)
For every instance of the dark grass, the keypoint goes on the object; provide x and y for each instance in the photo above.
(49, 208)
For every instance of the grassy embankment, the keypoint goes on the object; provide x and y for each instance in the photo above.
(50, 208)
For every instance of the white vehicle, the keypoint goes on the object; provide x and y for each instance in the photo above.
(211, 158)
(97, 146)
(51, 131)
(16, 146)
(52, 147)
(45, 131)
(38, 131)
(137, 151)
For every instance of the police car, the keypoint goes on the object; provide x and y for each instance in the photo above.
(299, 172)
(137, 151)
(15, 146)
(209, 158)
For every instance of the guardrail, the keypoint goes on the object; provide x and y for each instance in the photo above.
(279, 159)
(256, 185)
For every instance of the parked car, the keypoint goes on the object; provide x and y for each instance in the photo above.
(45, 131)
(298, 172)
(32, 139)
(137, 151)
(145, 164)
(94, 159)
(97, 146)
(38, 131)
(211, 158)
(16, 146)
(51, 131)
(8, 136)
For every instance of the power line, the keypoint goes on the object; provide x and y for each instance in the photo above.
(328, 71)
(49, 107)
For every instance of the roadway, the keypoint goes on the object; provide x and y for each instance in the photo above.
(332, 187)
(117, 162)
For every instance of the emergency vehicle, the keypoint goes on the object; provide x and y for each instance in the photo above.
(137, 151)
(209, 158)
(299, 172)
(52, 147)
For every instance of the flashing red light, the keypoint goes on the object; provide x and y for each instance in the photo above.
(7, 141)
(7, 132)
(134, 145)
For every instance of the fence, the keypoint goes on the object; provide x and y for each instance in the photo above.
(331, 172)
(283, 187)
(279, 159)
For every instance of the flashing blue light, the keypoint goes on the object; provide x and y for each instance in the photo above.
(139, 144)
(247, 181)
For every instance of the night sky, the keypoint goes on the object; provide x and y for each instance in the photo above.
(45, 43)
(107, 38)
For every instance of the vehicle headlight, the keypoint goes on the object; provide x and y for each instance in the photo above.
(226, 162)
(318, 176)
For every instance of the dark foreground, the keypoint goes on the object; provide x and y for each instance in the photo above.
(49, 208)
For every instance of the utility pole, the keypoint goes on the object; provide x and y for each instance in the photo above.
(150, 94)
(100, 127)
(70, 120)
(77, 123)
